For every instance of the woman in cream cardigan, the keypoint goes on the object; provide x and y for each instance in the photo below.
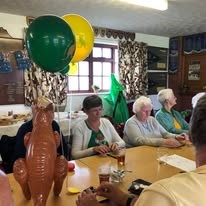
(143, 129)
(95, 135)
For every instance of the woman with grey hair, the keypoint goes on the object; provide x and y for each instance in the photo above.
(143, 129)
(169, 118)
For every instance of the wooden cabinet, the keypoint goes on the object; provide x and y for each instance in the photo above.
(187, 67)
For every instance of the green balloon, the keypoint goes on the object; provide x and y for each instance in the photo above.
(50, 43)
(65, 70)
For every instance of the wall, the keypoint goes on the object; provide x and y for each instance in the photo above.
(152, 40)
(15, 26)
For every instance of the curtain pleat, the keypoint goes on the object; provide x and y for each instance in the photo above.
(133, 68)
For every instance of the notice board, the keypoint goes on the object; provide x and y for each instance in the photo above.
(11, 77)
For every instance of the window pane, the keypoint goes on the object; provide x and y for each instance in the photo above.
(73, 83)
(84, 68)
(97, 52)
(116, 55)
(107, 53)
(107, 68)
(116, 68)
(97, 81)
(84, 83)
(97, 68)
(106, 83)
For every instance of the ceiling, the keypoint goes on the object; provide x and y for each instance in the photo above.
(183, 17)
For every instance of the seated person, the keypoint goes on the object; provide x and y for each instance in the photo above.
(196, 98)
(20, 149)
(165, 192)
(5, 191)
(95, 135)
(169, 118)
(143, 129)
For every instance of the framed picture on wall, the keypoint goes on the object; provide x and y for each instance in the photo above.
(194, 70)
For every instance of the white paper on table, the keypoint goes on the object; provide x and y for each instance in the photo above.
(179, 162)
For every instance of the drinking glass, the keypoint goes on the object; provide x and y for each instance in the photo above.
(104, 174)
(120, 155)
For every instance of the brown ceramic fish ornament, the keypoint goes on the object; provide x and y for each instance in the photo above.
(41, 167)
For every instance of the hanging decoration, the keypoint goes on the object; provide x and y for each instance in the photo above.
(84, 36)
(116, 34)
(50, 43)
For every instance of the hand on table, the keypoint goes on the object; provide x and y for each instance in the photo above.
(101, 149)
(87, 198)
(184, 139)
(113, 193)
(113, 147)
(171, 142)
(183, 136)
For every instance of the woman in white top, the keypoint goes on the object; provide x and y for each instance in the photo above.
(95, 135)
(143, 129)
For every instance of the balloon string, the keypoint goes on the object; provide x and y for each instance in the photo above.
(56, 91)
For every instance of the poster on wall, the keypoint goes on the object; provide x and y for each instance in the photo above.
(194, 71)
(11, 75)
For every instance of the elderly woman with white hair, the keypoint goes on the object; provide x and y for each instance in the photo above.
(143, 129)
(169, 118)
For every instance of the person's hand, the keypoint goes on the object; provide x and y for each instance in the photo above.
(87, 198)
(171, 142)
(101, 149)
(113, 147)
(183, 136)
(113, 193)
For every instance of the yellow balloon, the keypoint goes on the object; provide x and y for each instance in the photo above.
(73, 68)
(84, 35)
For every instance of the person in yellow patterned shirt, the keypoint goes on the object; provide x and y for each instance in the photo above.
(168, 117)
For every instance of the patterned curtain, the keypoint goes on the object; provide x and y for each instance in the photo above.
(38, 82)
(133, 68)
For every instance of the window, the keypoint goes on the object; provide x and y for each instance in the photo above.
(95, 70)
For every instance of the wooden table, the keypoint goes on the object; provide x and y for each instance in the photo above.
(142, 161)
(82, 178)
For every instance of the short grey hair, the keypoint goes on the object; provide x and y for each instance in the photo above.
(140, 102)
(164, 95)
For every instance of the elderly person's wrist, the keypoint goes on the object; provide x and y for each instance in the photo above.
(95, 150)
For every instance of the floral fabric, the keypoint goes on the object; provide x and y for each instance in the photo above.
(38, 82)
(133, 68)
